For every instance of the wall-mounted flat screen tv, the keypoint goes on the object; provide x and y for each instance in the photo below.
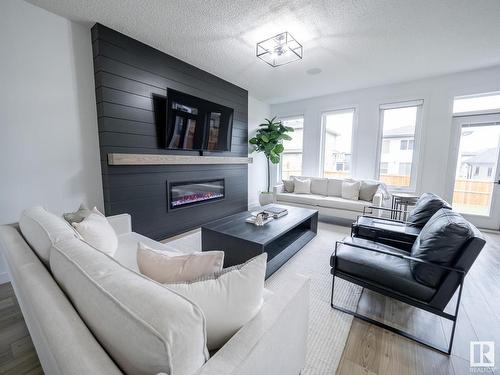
(197, 124)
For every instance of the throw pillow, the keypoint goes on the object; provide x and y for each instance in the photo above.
(427, 205)
(42, 229)
(170, 267)
(368, 189)
(350, 189)
(440, 241)
(78, 215)
(97, 232)
(302, 186)
(288, 185)
(229, 298)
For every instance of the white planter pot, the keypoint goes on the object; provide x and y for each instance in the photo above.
(266, 198)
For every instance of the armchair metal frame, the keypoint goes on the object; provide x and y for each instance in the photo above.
(399, 296)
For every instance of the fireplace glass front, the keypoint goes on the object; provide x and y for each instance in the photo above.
(194, 192)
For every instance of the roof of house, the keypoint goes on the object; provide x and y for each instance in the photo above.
(488, 156)
(403, 131)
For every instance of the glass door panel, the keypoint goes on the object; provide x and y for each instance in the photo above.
(476, 189)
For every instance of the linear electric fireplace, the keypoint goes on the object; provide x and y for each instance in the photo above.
(188, 193)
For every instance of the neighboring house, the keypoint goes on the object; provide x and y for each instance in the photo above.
(480, 166)
(397, 151)
(336, 161)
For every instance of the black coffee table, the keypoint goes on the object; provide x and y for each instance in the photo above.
(280, 238)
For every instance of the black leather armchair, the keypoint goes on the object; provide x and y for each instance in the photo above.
(426, 278)
(399, 233)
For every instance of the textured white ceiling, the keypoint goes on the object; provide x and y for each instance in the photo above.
(355, 44)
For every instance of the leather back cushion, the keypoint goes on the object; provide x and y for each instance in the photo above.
(441, 241)
(145, 328)
(427, 205)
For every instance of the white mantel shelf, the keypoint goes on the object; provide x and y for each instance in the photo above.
(161, 159)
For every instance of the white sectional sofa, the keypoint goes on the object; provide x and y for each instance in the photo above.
(63, 303)
(326, 197)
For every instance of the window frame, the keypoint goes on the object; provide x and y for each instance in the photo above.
(324, 114)
(416, 162)
(280, 169)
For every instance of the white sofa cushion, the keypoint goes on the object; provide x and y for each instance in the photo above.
(144, 327)
(309, 199)
(302, 185)
(368, 189)
(350, 189)
(97, 232)
(342, 204)
(126, 253)
(319, 186)
(229, 299)
(288, 185)
(170, 267)
(334, 187)
(42, 228)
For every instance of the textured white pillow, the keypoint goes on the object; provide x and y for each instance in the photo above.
(97, 232)
(302, 186)
(167, 266)
(42, 229)
(228, 299)
(350, 189)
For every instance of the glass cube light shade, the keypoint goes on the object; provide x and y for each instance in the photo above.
(281, 49)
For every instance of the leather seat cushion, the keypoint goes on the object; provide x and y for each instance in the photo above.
(427, 205)
(380, 229)
(441, 241)
(387, 272)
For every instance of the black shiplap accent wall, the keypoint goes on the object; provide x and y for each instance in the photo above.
(131, 79)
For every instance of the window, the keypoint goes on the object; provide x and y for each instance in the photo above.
(386, 146)
(490, 171)
(384, 167)
(476, 171)
(404, 169)
(399, 123)
(291, 159)
(337, 143)
(476, 103)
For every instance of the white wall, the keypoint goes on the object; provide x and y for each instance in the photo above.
(437, 92)
(257, 172)
(49, 151)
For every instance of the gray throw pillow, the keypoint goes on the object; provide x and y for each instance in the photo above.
(368, 190)
(427, 205)
(441, 241)
(78, 215)
(289, 186)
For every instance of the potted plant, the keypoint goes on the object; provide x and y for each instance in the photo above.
(269, 140)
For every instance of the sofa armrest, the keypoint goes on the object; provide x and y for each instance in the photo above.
(274, 342)
(278, 189)
(121, 223)
(378, 199)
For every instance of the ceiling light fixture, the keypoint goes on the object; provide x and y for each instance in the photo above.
(279, 50)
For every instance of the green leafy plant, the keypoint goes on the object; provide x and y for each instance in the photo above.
(269, 140)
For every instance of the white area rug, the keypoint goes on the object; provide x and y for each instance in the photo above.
(328, 328)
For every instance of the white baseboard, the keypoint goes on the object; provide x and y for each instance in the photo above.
(4, 278)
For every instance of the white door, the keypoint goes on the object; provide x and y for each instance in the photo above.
(476, 178)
